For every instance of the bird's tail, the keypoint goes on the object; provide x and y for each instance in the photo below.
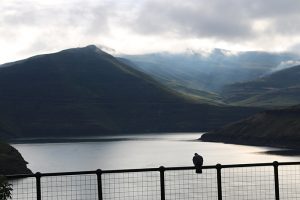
(199, 170)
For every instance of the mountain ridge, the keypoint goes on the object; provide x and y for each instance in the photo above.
(210, 71)
(85, 91)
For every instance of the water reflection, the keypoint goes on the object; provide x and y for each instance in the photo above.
(139, 151)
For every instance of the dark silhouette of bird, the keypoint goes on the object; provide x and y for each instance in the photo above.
(198, 162)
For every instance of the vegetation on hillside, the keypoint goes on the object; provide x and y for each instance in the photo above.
(278, 127)
(278, 89)
(5, 189)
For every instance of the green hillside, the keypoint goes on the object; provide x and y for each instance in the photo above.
(280, 127)
(85, 91)
(281, 88)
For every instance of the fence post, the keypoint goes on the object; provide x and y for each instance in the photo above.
(162, 183)
(38, 185)
(99, 183)
(276, 179)
(219, 181)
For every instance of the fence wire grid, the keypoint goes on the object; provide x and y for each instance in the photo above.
(267, 181)
(186, 184)
(133, 185)
(289, 184)
(69, 187)
(248, 183)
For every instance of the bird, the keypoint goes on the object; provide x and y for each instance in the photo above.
(198, 162)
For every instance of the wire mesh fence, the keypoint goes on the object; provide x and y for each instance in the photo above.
(235, 182)
(289, 184)
(248, 183)
(83, 187)
(186, 184)
(132, 185)
(24, 188)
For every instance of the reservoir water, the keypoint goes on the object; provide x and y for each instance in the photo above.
(152, 150)
(139, 151)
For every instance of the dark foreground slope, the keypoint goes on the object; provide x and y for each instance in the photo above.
(272, 128)
(85, 91)
(11, 161)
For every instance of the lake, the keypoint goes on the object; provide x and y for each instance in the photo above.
(139, 151)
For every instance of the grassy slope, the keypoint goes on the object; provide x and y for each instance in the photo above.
(279, 89)
(272, 127)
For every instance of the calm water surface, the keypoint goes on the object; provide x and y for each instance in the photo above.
(139, 151)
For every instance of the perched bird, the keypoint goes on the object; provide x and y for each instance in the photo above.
(198, 162)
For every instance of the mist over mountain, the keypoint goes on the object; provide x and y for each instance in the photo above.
(281, 88)
(85, 91)
(210, 71)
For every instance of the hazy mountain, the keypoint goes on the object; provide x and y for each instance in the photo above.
(210, 71)
(85, 91)
(183, 87)
(281, 88)
(273, 127)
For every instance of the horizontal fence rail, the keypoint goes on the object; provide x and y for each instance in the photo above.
(233, 182)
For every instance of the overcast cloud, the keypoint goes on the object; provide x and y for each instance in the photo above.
(29, 27)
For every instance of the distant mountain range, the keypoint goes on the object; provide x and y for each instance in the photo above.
(252, 79)
(85, 91)
(210, 71)
(224, 77)
(280, 127)
(281, 88)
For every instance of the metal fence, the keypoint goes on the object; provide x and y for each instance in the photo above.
(233, 182)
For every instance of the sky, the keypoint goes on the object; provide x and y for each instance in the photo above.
(31, 27)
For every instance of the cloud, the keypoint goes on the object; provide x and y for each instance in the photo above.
(285, 65)
(41, 26)
(232, 20)
(295, 48)
(34, 14)
(189, 18)
(33, 26)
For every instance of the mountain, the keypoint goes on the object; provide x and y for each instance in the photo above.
(180, 86)
(281, 88)
(278, 127)
(11, 161)
(85, 91)
(209, 71)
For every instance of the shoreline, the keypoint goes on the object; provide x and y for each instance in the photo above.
(112, 138)
(285, 144)
(283, 149)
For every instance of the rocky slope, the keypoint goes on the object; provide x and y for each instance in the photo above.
(11, 161)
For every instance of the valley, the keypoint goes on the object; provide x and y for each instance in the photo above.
(87, 92)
